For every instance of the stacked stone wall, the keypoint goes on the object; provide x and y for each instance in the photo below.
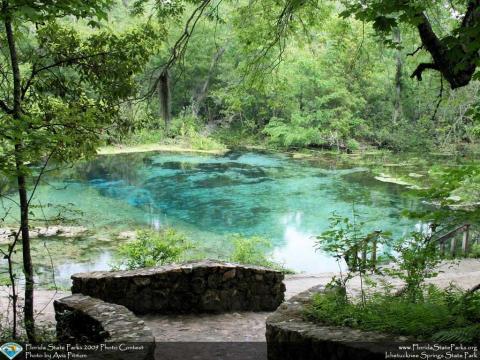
(205, 286)
(83, 319)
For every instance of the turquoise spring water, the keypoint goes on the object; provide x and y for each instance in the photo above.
(210, 198)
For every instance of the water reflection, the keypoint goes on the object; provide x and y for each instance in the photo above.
(298, 251)
(102, 262)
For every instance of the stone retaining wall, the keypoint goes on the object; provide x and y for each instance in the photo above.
(291, 337)
(205, 286)
(82, 319)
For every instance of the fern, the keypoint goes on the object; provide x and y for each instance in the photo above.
(469, 334)
(443, 315)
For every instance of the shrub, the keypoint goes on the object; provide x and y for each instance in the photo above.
(238, 134)
(145, 136)
(201, 142)
(352, 144)
(187, 130)
(250, 251)
(418, 310)
(152, 248)
(345, 239)
(417, 259)
(475, 251)
(183, 126)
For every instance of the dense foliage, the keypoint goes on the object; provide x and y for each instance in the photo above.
(319, 79)
(253, 251)
(155, 248)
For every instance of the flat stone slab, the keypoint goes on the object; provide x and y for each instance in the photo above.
(290, 336)
(83, 319)
(195, 287)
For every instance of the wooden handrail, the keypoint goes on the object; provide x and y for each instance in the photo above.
(454, 232)
(366, 252)
(451, 235)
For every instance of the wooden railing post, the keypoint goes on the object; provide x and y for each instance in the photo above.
(465, 239)
(442, 247)
(453, 245)
(355, 257)
(465, 229)
(374, 253)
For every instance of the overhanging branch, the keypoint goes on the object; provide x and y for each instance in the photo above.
(457, 63)
(421, 68)
(36, 71)
(5, 108)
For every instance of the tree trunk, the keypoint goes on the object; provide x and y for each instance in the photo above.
(27, 258)
(21, 180)
(14, 295)
(164, 97)
(202, 94)
(397, 112)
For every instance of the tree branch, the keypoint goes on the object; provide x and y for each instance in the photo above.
(430, 40)
(440, 99)
(181, 44)
(5, 108)
(415, 51)
(457, 63)
(472, 14)
(36, 71)
(421, 68)
(474, 289)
